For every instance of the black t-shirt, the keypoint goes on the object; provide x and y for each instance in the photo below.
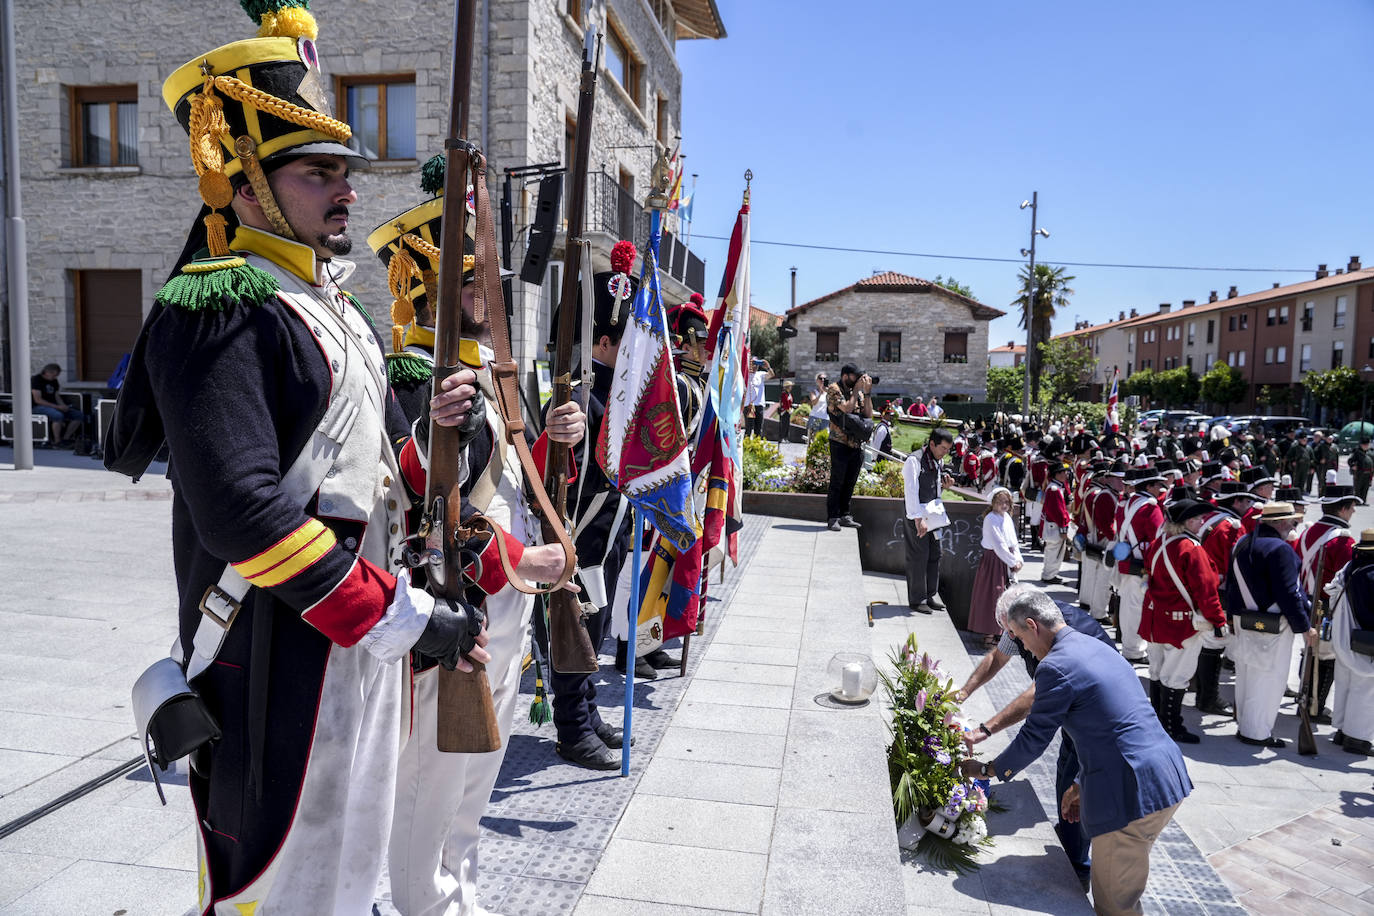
(49, 387)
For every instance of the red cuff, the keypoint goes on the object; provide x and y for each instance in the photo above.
(355, 605)
(540, 453)
(487, 572)
(411, 468)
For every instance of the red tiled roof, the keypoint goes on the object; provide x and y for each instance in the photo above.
(893, 282)
(1019, 348)
(1265, 295)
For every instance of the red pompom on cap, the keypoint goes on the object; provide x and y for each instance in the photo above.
(623, 257)
(697, 299)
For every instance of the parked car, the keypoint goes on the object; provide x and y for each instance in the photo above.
(1348, 439)
(1279, 426)
(1149, 419)
(1179, 421)
(1244, 424)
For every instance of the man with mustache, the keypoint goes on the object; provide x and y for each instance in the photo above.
(292, 470)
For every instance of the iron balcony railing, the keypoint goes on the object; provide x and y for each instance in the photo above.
(614, 210)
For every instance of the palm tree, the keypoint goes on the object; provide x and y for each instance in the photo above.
(1052, 293)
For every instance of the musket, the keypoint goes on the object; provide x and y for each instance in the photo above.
(570, 648)
(467, 718)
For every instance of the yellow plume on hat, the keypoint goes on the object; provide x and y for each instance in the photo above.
(282, 18)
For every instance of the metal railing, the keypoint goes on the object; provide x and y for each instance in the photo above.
(613, 209)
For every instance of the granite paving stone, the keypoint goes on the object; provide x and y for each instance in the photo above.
(697, 822)
(731, 693)
(711, 746)
(736, 879)
(711, 781)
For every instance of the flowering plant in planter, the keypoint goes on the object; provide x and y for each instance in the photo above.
(929, 795)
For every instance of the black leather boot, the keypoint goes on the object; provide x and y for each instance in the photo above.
(1326, 676)
(1209, 684)
(1156, 692)
(1173, 710)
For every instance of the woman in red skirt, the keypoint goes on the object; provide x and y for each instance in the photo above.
(998, 567)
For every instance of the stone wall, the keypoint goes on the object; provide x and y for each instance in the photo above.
(136, 218)
(922, 319)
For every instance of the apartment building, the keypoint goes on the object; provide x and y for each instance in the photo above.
(1272, 336)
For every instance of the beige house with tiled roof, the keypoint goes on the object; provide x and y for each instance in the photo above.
(920, 338)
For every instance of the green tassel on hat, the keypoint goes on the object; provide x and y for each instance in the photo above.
(407, 368)
(215, 284)
(432, 175)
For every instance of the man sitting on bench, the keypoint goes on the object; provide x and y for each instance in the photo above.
(62, 418)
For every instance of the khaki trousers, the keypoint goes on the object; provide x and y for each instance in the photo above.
(1121, 863)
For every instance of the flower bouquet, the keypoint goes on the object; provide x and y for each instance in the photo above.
(939, 812)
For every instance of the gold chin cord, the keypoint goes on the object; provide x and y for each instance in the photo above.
(247, 150)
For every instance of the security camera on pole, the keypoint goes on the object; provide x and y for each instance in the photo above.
(1033, 203)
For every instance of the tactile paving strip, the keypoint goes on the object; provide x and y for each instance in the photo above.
(549, 821)
(1182, 883)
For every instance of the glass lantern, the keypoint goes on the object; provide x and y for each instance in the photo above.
(854, 677)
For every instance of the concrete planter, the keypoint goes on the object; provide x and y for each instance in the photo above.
(882, 547)
(794, 433)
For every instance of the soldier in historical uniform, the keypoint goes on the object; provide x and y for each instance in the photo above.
(1181, 603)
(1260, 484)
(1324, 458)
(601, 519)
(1219, 533)
(1324, 548)
(441, 797)
(1352, 638)
(1297, 462)
(1138, 521)
(1054, 522)
(1361, 464)
(1267, 605)
(292, 471)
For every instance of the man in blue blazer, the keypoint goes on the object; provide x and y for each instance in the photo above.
(1132, 778)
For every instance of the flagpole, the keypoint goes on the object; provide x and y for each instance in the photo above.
(632, 609)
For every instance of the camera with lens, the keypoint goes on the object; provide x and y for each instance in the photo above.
(873, 377)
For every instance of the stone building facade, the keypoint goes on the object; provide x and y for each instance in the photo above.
(918, 337)
(102, 237)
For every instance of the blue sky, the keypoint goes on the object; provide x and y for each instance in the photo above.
(1212, 133)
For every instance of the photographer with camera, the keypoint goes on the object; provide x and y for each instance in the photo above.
(851, 425)
(754, 400)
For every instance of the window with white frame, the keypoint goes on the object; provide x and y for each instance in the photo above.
(1268, 356)
(1240, 358)
(1283, 315)
(1272, 318)
(1305, 360)
(1340, 312)
(1192, 332)
(1282, 355)
(1338, 354)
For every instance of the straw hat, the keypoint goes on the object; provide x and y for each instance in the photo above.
(1279, 512)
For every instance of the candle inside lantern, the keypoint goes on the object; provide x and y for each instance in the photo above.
(852, 679)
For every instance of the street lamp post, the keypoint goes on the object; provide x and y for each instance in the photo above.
(1034, 204)
(1364, 396)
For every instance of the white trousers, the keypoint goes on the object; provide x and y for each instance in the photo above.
(1132, 590)
(1352, 704)
(1262, 661)
(1173, 667)
(1035, 507)
(440, 798)
(1089, 574)
(331, 859)
(1054, 550)
(1102, 586)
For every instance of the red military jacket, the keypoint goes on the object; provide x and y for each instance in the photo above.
(1102, 509)
(1039, 472)
(1219, 535)
(987, 468)
(1327, 542)
(1146, 516)
(970, 465)
(1250, 520)
(1167, 615)
(1056, 506)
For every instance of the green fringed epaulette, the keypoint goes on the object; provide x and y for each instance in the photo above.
(214, 284)
(432, 175)
(408, 368)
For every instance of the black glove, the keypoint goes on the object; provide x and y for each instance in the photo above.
(451, 633)
(475, 422)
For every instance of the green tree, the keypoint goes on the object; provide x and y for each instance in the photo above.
(1274, 396)
(1339, 388)
(1068, 365)
(1175, 387)
(1005, 384)
(1139, 383)
(1223, 385)
(954, 285)
(1051, 292)
(766, 343)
